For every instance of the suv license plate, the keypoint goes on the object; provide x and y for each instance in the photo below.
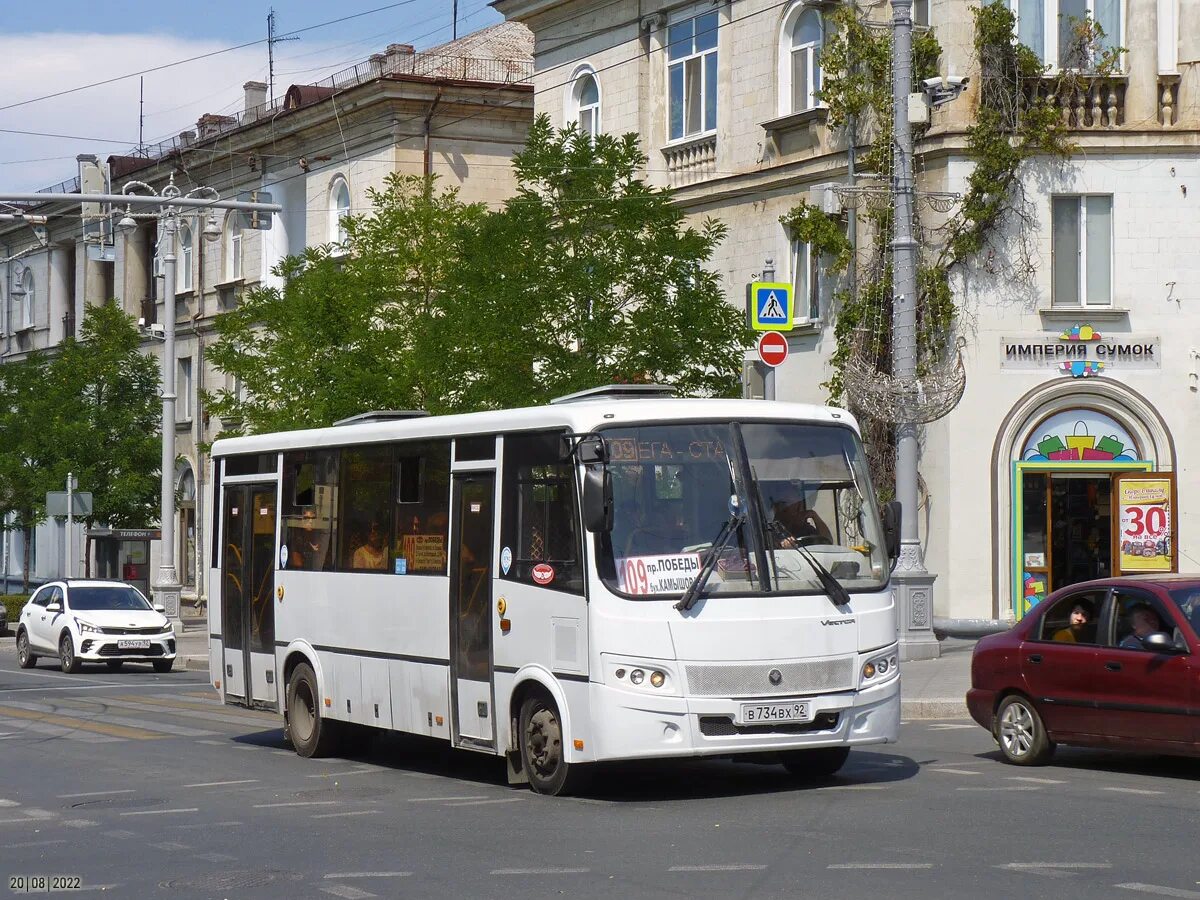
(768, 713)
(133, 645)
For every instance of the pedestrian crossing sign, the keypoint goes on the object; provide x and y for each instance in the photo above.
(770, 306)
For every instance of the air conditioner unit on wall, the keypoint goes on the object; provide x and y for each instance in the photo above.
(825, 197)
(158, 267)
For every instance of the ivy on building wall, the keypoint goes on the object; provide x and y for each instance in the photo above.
(1012, 126)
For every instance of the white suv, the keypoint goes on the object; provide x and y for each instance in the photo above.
(94, 621)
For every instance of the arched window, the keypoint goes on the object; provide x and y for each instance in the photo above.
(185, 490)
(585, 97)
(339, 208)
(807, 35)
(183, 264)
(233, 246)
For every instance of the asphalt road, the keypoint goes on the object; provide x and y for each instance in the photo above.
(142, 785)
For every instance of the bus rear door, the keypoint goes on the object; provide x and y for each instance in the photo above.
(247, 594)
(473, 504)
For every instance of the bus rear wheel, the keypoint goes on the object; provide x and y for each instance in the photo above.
(542, 753)
(817, 763)
(309, 732)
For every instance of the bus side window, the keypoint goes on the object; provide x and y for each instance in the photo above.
(310, 509)
(422, 504)
(540, 522)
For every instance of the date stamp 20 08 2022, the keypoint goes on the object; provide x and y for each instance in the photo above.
(44, 884)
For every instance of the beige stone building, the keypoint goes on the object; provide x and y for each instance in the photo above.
(458, 110)
(722, 96)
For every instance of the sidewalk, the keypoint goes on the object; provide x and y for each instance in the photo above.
(930, 688)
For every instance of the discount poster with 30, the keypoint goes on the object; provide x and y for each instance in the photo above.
(1146, 529)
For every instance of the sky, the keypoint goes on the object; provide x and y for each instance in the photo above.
(54, 47)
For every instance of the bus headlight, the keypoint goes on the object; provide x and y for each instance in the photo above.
(646, 675)
(880, 668)
(657, 679)
(637, 676)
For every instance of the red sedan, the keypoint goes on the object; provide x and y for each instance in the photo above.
(1111, 663)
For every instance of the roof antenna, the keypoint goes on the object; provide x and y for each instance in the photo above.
(141, 114)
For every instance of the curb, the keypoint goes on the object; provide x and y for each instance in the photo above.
(933, 709)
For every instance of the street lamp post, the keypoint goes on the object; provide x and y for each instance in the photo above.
(166, 585)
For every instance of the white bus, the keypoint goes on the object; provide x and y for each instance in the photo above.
(617, 575)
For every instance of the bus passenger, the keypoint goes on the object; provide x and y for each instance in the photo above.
(372, 554)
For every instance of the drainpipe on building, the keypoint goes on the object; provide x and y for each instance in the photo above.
(969, 628)
(428, 133)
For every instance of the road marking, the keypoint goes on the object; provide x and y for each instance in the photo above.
(359, 812)
(171, 845)
(159, 812)
(95, 794)
(442, 799)
(33, 844)
(200, 784)
(881, 866)
(120, 731)
(336, 875)
(545, 871)
(78, 823)
(1033, 780)
(1121, 790)
(954, 771)
(297, 803)
(853, 787)
(345, 890)
(81, 680)
(206, 825)
(338, 774)
(1014, 787)
(734, 867)
(947, 726)
(213, 743)
(215, 857)
(119, 833)
(486, 802)
(1051, 870)
(6, 804)
(35, 813)
(88, 712)
(83, 687)
(1158, 889)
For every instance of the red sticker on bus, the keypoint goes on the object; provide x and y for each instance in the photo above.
(543, 573)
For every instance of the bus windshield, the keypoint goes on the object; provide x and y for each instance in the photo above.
(800, 489)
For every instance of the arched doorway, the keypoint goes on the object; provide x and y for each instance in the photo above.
(1057, 456)
(185, 551)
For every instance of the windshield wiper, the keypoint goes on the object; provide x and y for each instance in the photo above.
(728, 530)
(837, 594)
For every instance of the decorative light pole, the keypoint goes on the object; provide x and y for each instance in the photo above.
(166, 585)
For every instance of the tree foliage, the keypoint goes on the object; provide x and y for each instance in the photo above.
(586, 276)
(91, 409)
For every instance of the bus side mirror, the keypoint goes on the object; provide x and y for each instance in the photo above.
(597, 499)
(891, 529)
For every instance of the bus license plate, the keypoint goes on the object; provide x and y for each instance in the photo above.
(133, 645)
(768, 713)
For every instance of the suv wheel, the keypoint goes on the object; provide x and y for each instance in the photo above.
(67, 659)
(25, 656)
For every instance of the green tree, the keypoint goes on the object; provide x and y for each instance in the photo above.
(589, 276)
(92, 410)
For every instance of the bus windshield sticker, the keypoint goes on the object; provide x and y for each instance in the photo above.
(669, 574)
(506, 560)
(283, 556)
(543, 573)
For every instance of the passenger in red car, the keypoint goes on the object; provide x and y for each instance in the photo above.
(1081, 614)
(1145, 623)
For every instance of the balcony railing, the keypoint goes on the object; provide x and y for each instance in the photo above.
(1084, 102)
(691, 161)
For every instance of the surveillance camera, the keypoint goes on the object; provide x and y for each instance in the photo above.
(142, 322)
(944, 88)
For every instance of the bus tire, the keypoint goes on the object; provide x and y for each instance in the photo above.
(311, 734)
(816, 763)
(542, 754)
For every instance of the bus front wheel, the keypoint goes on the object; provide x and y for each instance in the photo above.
(542, 753)
(310, 733)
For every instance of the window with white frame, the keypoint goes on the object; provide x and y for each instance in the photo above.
(1050, 28)
(1081, 250)
(806, 283)
(339, 208)
(23, 301)
(233, 246)
(585, 102)
(692, 76)
(183, 390)
(183, 262)
(804, 36)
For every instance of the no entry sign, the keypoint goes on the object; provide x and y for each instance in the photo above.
(772, 348)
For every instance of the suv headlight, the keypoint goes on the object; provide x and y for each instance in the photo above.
(880, 667)
(87, 627)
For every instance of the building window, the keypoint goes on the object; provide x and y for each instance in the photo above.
(806, 283)
(233, 246)
(23, 302)
(183, 390)
(920, 13)
(185, 489)
(1081, 250)
(585, 102)
(805, 39)
(183, 265)
(339, 208)
(1050, 28)
(692, 76)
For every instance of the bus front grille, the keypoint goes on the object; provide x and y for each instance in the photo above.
(755, 679)
(723, 726)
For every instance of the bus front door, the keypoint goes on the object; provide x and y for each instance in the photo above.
(247, 594)
(470, 609)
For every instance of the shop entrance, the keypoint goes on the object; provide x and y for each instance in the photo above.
(1068, 526)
